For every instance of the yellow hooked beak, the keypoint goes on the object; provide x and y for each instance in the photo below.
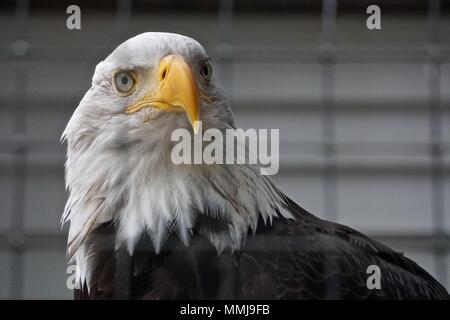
(177, 90)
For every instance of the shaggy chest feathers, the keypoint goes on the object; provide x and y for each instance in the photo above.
(141, 192)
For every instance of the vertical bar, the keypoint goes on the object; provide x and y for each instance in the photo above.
(123, 18)
(225, 46)
(435, 115)
(16, 233)
(123, 264)
(328, 109)
(225, 51)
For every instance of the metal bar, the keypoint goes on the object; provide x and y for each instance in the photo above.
(437, 168)
(328, 110)
(419, 241)
(223, 52)
(20, 153)
(44, 146)
(65, 105)
(123, 263)
(123, 18)
(224, 55)
(295, 54)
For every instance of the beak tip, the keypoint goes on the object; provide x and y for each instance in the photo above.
(196, 126)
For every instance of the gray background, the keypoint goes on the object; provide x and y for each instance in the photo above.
(363, 115)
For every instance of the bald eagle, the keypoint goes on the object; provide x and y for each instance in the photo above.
(142, 227)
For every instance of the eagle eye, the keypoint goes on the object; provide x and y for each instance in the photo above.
(123, 82)
(206, 71)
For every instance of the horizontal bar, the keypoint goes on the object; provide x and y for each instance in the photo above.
(306, 54)
(316, 166)
(54, 146)
(413, 240)
(67, 102)
(403, 6)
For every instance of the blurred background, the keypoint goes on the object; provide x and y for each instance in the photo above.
(363, 114)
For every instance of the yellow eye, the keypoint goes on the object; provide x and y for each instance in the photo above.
(206, 71)
(123, 82)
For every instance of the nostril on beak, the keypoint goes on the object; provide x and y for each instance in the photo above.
(163, 74)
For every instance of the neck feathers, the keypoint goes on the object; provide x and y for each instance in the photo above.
(222, 203)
